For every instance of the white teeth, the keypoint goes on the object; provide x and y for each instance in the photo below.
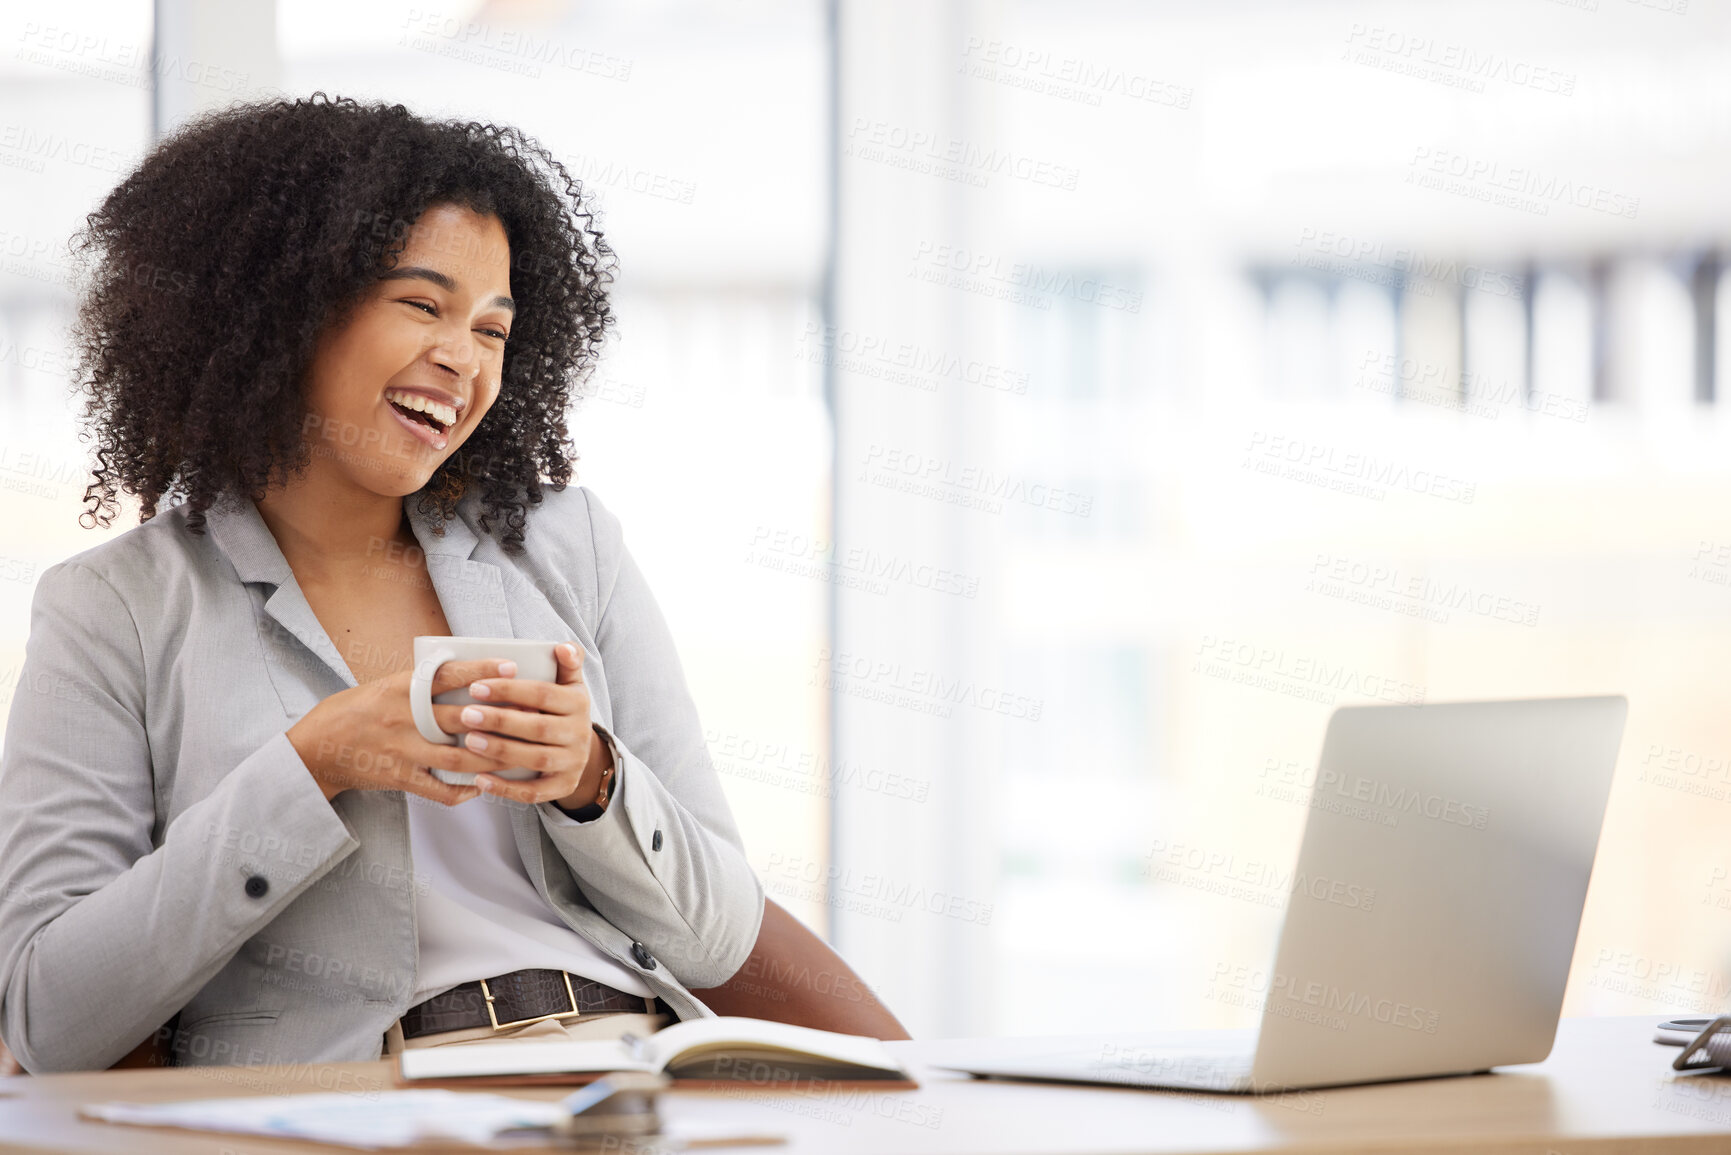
(443, 414)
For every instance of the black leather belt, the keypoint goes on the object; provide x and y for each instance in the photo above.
(526, 996)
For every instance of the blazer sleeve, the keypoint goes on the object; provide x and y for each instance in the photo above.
(108, 925)
(664, 862)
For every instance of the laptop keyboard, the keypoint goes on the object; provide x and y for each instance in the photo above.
(1127, 1064)
(1142, 1066)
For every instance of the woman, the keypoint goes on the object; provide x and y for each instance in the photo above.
(344, 338)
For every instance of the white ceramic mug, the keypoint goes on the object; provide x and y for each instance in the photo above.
(535, 661)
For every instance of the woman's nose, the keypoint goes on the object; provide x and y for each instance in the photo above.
(456, 351)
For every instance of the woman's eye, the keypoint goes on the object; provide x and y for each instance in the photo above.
(435, 312)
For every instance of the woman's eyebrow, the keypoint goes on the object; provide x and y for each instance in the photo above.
(440, 279)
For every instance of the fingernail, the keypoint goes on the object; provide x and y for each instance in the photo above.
(480, 690)
(570, 651)
(507, 669)
(471, 715)
(475, 742)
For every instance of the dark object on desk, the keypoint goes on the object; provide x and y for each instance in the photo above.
(622, 1106)
(1679, 1032)
(792, 976)
(1708, 1050)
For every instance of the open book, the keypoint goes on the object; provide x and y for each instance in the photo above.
(725, 1049)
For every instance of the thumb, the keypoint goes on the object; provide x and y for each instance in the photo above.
(570, 656)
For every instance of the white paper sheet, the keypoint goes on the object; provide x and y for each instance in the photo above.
(387, 1120)
(371, 1122)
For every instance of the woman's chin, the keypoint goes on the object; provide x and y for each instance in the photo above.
(392, 478)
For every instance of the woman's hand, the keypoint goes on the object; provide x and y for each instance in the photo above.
(364, 738)
(538, 725)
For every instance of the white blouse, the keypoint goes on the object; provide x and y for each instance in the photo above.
(478, 914)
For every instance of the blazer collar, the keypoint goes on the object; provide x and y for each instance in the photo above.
(241, 533)
(470, 592)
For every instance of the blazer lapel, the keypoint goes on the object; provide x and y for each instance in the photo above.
(241, 534)
(471, 593)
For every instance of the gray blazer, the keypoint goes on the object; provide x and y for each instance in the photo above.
(163, 848)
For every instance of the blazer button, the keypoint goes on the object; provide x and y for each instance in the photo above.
(257, 886)
(655, 843)
(642, 955)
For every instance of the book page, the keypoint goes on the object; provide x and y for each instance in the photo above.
(525, 1058)
(696, 1037)
(751, 1039)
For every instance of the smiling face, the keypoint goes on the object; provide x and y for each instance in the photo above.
(399, 387)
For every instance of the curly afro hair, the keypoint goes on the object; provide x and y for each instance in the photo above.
(215, 265)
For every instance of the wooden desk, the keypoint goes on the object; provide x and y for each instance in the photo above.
(1605, 1089)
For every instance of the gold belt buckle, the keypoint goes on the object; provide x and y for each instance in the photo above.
(498, 1026)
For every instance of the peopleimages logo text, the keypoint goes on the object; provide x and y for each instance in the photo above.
(1272, 453)
(1359, 788)
(1409, 263)
(1022, 274)
(843, 667)
(1304, 670)
(1521, 180)
(1280, 989)
(1187, 865)
(942, 474)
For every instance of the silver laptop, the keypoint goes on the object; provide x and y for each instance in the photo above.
(1472, 826)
